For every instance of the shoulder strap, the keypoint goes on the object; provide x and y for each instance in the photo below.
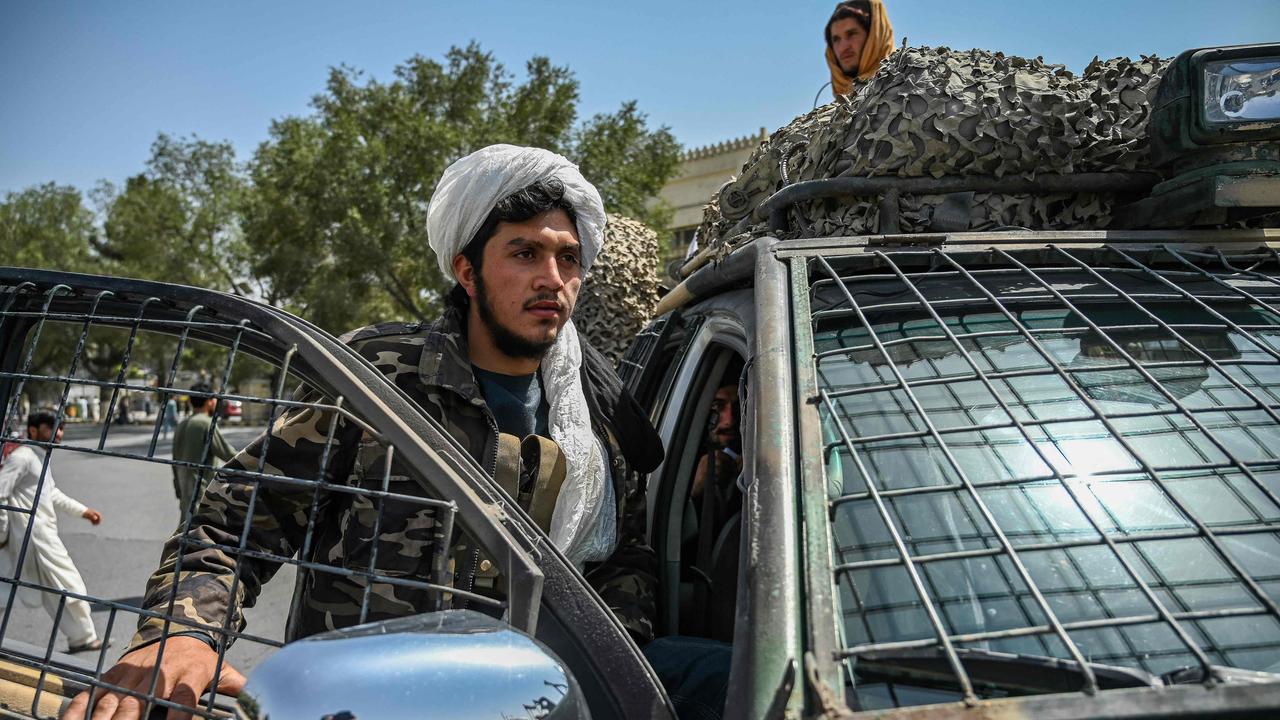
(507, 472)
(531, 472)
(545, 466)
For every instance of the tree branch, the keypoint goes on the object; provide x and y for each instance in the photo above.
(400, 294)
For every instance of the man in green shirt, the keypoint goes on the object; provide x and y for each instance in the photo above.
(192, 443)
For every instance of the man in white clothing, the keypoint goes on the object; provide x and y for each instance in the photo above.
(46, 562)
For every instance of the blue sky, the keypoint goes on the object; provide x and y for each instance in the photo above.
(85, 86)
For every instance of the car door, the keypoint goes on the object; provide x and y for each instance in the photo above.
(676, 366)
(95, 349)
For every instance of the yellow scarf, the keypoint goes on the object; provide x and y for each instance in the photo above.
(877, 47)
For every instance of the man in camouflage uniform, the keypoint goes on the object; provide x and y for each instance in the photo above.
(518, 276)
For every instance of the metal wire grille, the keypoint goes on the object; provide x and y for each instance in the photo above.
(633, 364)
(1061, 452)
(127, 352)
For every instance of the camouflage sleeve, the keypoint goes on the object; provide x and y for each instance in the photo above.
(221, 449)
(276, 524)
(628, 579)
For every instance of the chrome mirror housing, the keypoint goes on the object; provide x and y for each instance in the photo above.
(455, 663)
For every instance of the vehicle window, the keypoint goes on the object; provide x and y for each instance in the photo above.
(650, 363)
(342, 504)
(711, 502)
(636, 359)
(1066, 453)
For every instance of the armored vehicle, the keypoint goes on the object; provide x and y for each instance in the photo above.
(1007, 471)
(1010, 472)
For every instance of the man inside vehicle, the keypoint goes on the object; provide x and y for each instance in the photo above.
(694, 666)
(723, 459)
(714, 498)
(517, 228)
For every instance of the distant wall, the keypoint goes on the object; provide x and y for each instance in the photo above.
(702, 171)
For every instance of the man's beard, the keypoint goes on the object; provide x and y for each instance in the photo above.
(734, 442)
(507, 342)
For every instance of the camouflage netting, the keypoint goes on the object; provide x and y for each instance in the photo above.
(622, 288)
(931, 112)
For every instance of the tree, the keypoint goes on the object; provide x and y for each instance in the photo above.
(179, 221)
(46, 226)
(628, 163)
(337, 212)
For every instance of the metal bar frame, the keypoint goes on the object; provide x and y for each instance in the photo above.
(61, 304)
(1091, 682)
(823, 629)
(1003, 262)
(775, 206)
(768, 630)
(537, 580)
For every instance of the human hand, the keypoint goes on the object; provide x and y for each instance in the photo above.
(92, 516)
(185, 673)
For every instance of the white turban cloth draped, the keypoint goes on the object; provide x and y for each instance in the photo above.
(583, 525)
(472, 186)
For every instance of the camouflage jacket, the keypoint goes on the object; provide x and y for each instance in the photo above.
(431, 365)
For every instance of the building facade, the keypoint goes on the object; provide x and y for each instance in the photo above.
(702, 171)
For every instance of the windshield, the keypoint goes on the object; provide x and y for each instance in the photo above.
(1077, 461)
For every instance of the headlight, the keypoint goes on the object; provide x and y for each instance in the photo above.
(1243, 90)
(1217, 105)
(1214, 137)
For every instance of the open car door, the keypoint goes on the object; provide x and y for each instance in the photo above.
(75, 341)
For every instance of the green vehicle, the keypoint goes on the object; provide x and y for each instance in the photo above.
(983, 474)
(997, 474)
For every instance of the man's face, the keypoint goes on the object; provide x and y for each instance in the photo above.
(44, 433)
(528, 282)
(724, 424)
(847, 39)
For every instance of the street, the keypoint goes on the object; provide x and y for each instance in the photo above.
(139, 512)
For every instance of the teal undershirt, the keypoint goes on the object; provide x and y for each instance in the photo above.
(516, 402)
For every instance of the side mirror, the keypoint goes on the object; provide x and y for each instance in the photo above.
(455, 664)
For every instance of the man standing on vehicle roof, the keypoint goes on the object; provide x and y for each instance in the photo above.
(859, 37)
(517, 228)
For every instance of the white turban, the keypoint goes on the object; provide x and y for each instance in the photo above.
(472, 186)
(583, 524)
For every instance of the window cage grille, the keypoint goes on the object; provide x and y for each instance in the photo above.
(1062, 453)
(132, 348)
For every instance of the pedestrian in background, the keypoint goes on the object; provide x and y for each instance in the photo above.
(170, 420)
(47, 562)
(193, 443)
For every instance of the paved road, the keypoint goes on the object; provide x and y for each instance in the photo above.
(139, 513)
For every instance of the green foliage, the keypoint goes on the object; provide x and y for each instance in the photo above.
(179, 220)
(176, 222)
(328, 219)
(628, 162)
(337, 211)
(46, 226)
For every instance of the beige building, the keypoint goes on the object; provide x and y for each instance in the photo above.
(702, 171)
